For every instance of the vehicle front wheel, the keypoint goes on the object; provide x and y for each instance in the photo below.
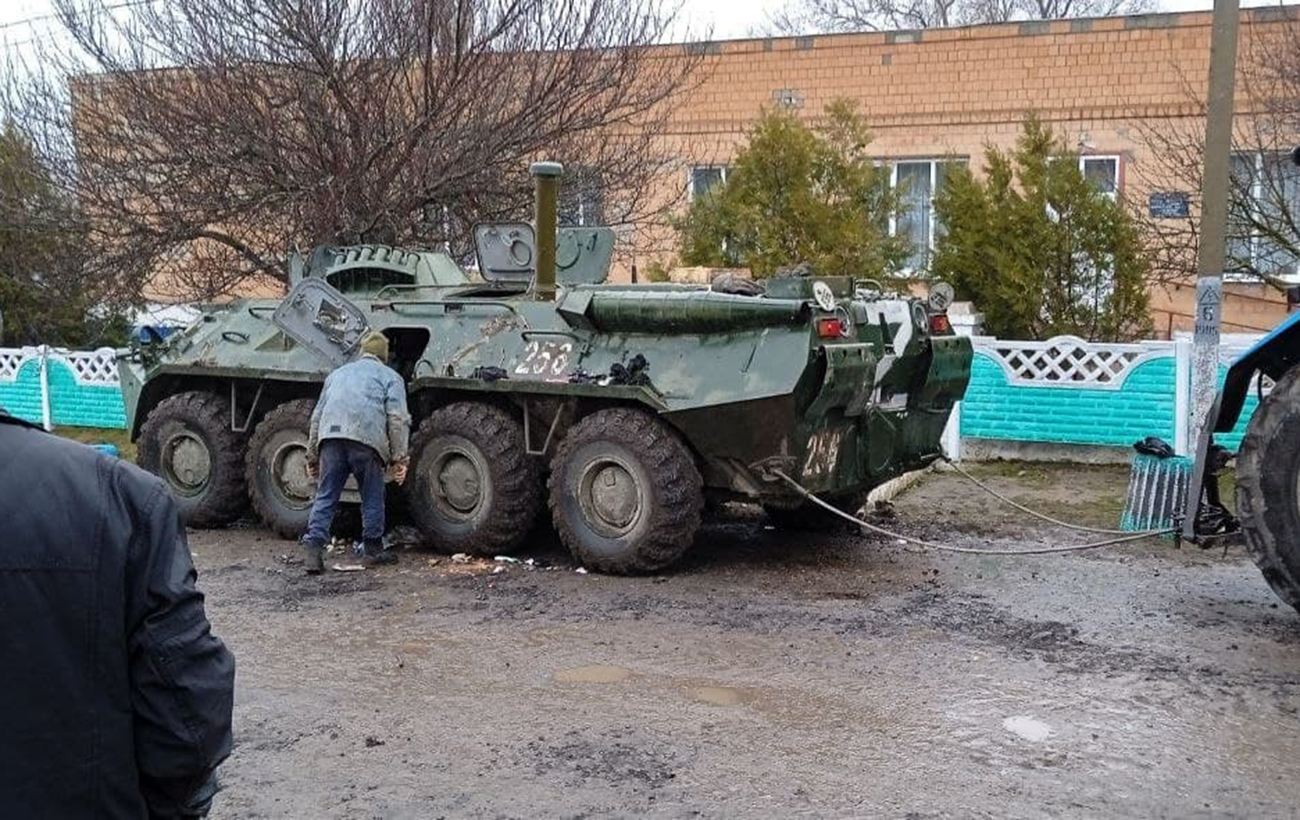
(1268, 488)
(472, 487)
(625, 494)
(187, 441)
(279, 485)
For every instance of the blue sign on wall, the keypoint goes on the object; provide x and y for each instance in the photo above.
(1169, 205)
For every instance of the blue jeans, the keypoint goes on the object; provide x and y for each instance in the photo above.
(340, 458)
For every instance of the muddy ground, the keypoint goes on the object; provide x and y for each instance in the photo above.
(772, 675)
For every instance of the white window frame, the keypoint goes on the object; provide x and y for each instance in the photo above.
(1256, 192)
(1119, 165)
(934, 162)
(582, 213)
(690, 177)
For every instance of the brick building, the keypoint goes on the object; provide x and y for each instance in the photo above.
(941, 95)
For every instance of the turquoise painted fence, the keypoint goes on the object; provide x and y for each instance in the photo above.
(80, 389)
(1068, 391)
(996, 409)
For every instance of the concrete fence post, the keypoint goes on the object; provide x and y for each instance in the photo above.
(44, 351)
(1182, 397)
(951, 441)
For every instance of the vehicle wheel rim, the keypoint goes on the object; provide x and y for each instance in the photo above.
(458, 483)
(187, 463)
(289, 474)
(610, 496)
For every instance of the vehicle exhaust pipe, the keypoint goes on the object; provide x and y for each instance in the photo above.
(546, 176)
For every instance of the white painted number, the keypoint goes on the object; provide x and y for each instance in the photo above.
(823, 452)
(544, 358)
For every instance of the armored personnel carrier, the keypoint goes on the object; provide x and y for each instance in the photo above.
(537, 389)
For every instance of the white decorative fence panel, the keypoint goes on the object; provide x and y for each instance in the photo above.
(52, 386)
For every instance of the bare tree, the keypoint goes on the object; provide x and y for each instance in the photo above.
(205, 138)
(829, 16)
(1264, 210)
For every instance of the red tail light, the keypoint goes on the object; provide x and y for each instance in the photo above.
(830, 328)
(939, 323)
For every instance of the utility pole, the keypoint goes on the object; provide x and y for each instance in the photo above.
(1215, 196)
(1214, 223)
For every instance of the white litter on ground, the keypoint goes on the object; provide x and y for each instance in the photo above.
(1027, 728)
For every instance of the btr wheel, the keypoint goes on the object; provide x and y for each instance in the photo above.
(279, 485)
(625, 494)
(472, 487)
(1268, 488)
(187, 441)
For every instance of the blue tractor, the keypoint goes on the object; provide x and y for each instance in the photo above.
(1268, 463)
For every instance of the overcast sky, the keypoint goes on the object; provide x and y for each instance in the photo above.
(726, 18)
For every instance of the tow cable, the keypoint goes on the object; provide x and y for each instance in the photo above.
(1092, 545)
(1040, 516)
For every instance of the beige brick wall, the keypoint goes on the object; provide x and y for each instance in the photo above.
(952, 91)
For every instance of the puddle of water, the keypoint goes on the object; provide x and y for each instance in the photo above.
(1027, 728)
(721, 695)
(593, 674)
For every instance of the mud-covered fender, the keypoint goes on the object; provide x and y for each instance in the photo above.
(1272, 355)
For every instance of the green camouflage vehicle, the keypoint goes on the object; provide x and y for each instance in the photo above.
(618, 408)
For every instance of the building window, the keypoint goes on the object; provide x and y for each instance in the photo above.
(916, 182)
(582, 200)
(1270, 184)
(702, 178)
(1102, 171)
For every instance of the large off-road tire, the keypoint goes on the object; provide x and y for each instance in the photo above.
(809, 517)
(625, 494)
(472, 487)
(276, 468)
(1268, 488)
(187, 441)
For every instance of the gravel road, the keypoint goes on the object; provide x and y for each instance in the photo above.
(775, 674)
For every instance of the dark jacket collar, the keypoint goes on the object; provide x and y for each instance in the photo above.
(5, 418)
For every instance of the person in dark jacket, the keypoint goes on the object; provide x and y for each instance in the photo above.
(117, 696)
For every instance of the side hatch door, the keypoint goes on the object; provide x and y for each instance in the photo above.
(318, 317)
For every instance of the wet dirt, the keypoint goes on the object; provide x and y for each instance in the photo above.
(773, 674)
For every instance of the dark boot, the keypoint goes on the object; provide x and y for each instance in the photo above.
(314, 561)
(375, 555)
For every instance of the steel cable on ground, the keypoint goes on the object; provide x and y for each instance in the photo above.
(1041, 516)
(966, 550)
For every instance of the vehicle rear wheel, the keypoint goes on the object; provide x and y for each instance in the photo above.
(279, 485)
(1268, 488)
(625, 494)
(809, 517)
(472, 487)
(187, 441)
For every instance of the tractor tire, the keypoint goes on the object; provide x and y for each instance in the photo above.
(472, 487)
(187, 441)
(276, 468)
(1268, 488)
(625, 494)
(808, 517)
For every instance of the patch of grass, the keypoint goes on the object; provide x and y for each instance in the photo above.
(1228, 489)
(1039, 471)
(120, 439)
(1098, 511)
